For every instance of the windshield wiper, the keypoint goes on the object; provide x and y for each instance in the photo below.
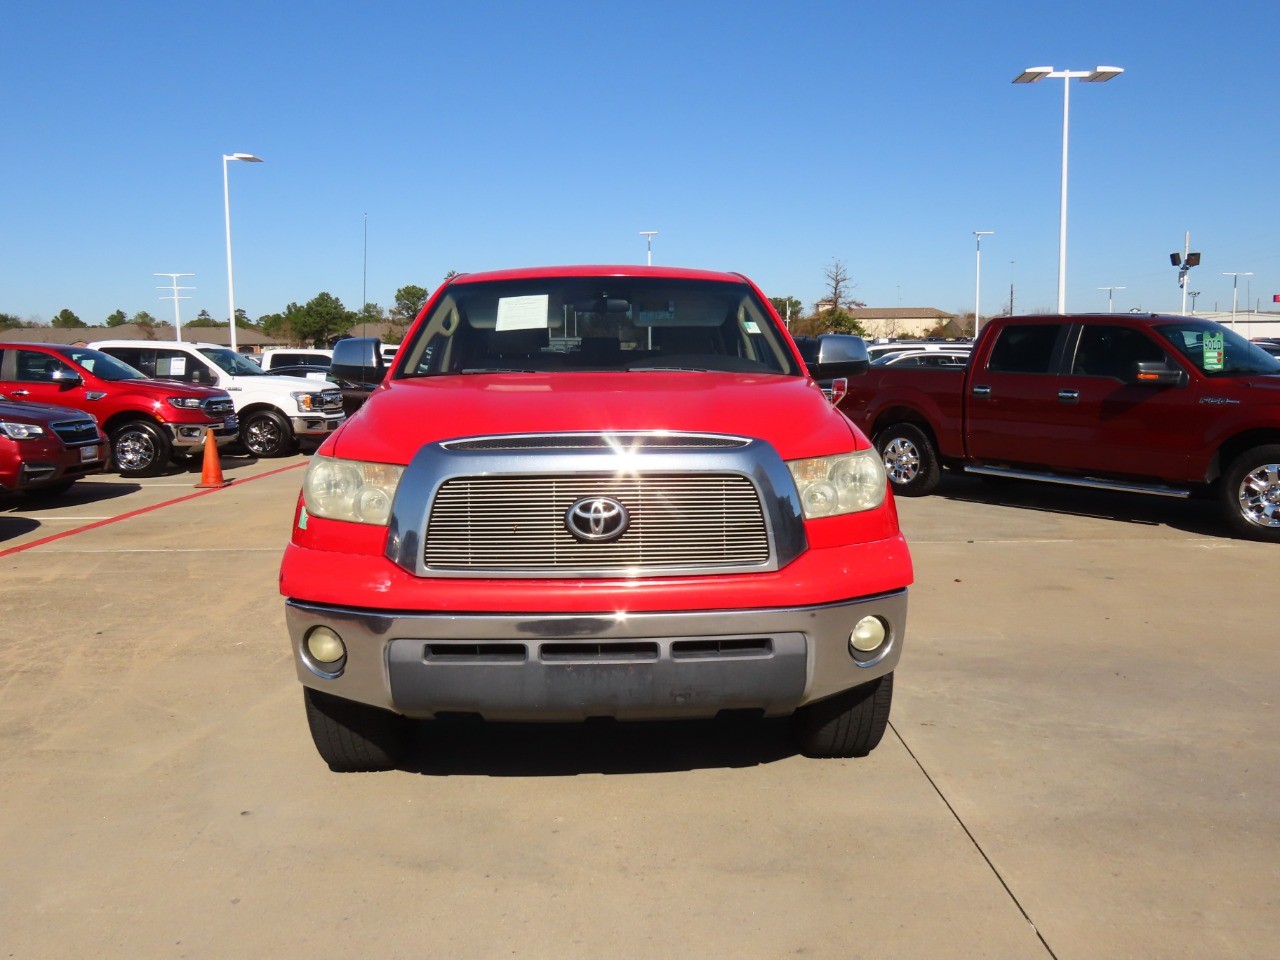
(662, 369)
(470, 370)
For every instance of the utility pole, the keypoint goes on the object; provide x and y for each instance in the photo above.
(1184, 263)
(173, 279)
(1109, 289)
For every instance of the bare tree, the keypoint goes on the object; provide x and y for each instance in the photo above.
(839, 288)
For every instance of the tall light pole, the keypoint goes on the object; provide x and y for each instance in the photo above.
(177, 319)
(226, 204)
(1096, 75)
(649, 235)
(1235, 285)
(977, 284)
(1109, 289)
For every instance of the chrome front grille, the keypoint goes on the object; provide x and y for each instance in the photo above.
(516, 524)
(607, 442)
(220, 407)
(76, 433)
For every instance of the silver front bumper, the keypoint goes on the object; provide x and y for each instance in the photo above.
(570, 667)
(315, 425)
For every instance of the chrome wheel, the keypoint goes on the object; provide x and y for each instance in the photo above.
(1259, 495)
(135, 450)
(266, 434)
(901, 460)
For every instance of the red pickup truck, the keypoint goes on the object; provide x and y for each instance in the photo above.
(149, 422)
(1170, 405)
(595, 492)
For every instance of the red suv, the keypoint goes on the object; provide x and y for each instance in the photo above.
(149, 422)
(46, 449)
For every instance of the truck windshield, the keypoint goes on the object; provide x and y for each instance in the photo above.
(231, 362)
(101, 365)
(1217, 351)
(568, 324)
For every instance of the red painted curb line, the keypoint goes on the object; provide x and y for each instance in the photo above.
(137, 513)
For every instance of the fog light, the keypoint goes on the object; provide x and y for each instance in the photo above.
(325, 646)
(868, 635)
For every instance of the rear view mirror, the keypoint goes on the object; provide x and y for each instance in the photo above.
(1159, 373)
(358, 360)
(840, 355)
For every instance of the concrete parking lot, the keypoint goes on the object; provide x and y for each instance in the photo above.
(1084, 762)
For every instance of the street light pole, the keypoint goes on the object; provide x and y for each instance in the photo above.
(649, 235)
(1109, 289)
(177, 318)
(1097, 75)
(977, 283)
(1235, 284)
(226, 205)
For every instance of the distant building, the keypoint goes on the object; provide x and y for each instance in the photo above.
(905, 321)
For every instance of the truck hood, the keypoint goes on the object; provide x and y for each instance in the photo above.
(403, 415)
(169, 388)
(272, 384)
(24, 412)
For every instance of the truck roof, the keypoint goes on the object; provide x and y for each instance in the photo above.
(1141, 318)
(614, 270)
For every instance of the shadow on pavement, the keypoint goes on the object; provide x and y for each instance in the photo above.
(453, 747)
(1197, 516)
(11, 527)
(80, 494)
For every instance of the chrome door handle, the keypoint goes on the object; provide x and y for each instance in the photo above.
(1068, 396)
(982, 391)
(21, 393)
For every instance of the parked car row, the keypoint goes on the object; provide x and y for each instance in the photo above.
(157, 403)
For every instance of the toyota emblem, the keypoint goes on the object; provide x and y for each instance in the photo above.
(597, 519)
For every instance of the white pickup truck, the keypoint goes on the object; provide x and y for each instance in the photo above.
(275, 412)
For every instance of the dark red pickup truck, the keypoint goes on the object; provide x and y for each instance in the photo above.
(1170, 405)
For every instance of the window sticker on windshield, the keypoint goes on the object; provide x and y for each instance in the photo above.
(177, 366)
(523, 313)
(1214, 351)
(750, 326)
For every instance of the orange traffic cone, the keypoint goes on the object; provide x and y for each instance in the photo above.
(211, 473)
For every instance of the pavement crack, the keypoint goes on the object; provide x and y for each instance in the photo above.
(976, 845)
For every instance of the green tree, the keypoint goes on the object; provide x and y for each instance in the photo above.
(789, 308)
(409, 300)
(10, 322)
(66, 318)
(146, 322)
(205, 319)
(323, 317)
(372, 313)
(117, 318)
(838, 321)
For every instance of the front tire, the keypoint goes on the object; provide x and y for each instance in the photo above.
(354, 737)
(266, 433)
(140, 449)
(1249, 493)
(909, 459)
(849, 724)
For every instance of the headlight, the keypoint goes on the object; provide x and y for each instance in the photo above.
(20, 431)
(184, 403)
(350, 490)
(307, 401)
(830, 486)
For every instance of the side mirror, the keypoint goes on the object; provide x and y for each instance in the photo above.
(1159, 373)
(358, 360)
(840, 355)
(66, 379)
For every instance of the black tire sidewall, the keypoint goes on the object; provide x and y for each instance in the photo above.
(279, 422)
(1229, 492)
(930, 473)
(163, 448)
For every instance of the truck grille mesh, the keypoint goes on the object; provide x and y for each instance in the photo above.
(75, 432)
(517, 523)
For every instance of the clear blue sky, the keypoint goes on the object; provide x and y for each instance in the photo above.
(769, 139)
